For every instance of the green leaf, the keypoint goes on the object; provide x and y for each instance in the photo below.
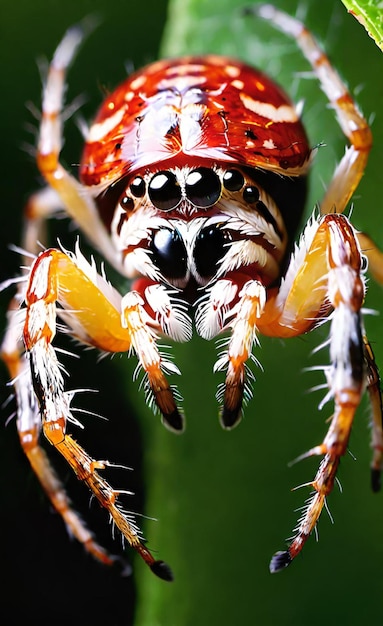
(223, 499)
(370, 15)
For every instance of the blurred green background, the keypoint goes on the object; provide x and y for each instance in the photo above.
(223, 500)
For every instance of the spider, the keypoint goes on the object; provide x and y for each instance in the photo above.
(192, 185)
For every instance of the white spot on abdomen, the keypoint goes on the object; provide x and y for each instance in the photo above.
(97, 132)
(283, 113)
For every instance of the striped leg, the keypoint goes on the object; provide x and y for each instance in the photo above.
(29, 428)
(77, 203)
(88, 301)
(351, 167)
(332, 264)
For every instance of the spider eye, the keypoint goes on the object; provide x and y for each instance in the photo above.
(233, 180)
(203, 187)
(169, 253)
(137, 187)
(126, 203)
(165, 191)
(251, 194)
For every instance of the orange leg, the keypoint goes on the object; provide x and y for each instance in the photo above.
(242, 320)
(29, 427)
(87, 300)
(325, 272)
(77, 203)
(351, 167)
(243, 336)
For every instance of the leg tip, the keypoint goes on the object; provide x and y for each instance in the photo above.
(174, 421)
(162, 570)
(280, 561)
(230, 418)
(376, 480)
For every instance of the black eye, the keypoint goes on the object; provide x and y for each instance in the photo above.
(233, 180)
(251, 194)
(126, 203)
(203, 187)
(164, 191)
(169, 253)
(137, 187)
(210, 247)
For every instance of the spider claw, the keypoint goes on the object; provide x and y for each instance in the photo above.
(280, 561)
(174, 421)
(376, 479)
(162, 570)
(230, 417)
(231, 413)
